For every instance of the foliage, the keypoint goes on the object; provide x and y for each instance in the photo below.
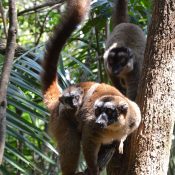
(28, 146)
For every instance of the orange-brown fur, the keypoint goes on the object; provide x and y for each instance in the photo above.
(92, 139)
(70, 130)
(75, 13)
(70, 127)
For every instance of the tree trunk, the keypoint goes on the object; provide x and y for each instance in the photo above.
(4, 79)
(148, 153)
(157, 93)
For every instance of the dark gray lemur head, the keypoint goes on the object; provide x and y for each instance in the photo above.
(107, 110)
(120, 60)
(72, 97)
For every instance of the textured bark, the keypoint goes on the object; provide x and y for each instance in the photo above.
(148, 153)
(3, 18)
(157, 93)
(10, 50)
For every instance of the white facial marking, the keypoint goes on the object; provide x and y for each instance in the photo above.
(105, 56)
(108, 68)
(109, 104)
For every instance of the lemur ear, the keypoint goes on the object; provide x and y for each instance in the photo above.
(123, 107)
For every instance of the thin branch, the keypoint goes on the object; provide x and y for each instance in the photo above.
(10, 51)
(3, 18)
(44, 23)
(107, 28)
(35, 8)
(98, 53)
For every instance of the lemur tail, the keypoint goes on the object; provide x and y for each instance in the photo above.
(120, 12)
(75, 12)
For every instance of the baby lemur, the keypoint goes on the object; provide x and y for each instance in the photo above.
(88, 113)
(124, 53)
(72, 97)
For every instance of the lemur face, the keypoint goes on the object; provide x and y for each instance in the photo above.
(72, 97)
(109, 110)
(120, 61)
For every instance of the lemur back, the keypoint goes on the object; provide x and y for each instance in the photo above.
(124, 53)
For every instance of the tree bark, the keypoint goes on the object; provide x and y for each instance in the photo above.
(157, 93)
(147, 150)
(3, 18)
(10, 50)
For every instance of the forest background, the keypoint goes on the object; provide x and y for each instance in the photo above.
(29, 149)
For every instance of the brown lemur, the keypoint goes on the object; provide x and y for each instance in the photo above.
(88, 113)
(124, 53)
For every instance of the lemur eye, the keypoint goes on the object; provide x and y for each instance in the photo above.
(97, 111)
(68, 100)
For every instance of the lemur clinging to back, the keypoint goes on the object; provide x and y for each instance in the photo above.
(103, 115)
(124, 53)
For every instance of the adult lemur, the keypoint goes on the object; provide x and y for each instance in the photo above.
(88, 114)
(124, 53)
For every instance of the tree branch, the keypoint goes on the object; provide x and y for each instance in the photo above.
(44, 23)
(46, 4)
(10, 50)
(3, 18)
